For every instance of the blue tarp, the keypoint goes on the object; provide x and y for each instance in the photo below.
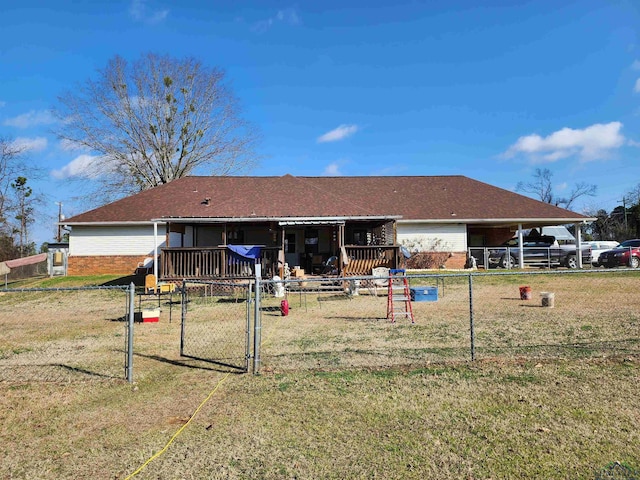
(245, 252)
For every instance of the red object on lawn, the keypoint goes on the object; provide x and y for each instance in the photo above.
(525, 293)
(284, 308)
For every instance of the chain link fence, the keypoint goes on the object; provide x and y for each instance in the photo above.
(342, 323)
(64, 335)
(216, 323)
(323, 324)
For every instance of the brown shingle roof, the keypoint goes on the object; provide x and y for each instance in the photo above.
(411, 197)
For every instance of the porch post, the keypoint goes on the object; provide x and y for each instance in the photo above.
(521, 252)
(340, 246)
(155, 249)
(283, 236)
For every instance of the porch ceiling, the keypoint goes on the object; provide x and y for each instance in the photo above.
(526, 223)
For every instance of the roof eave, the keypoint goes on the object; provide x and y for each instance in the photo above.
(109, 224)
(273, 219)
(505, 221)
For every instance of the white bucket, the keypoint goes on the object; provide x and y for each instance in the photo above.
(548, 299)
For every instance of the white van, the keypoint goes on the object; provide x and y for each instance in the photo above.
(599, 246)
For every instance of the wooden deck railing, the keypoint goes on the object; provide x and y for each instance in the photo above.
(202, 263)
(363, 259)
(213, 262)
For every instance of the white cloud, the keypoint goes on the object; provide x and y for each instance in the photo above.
(30, 119)
(287, 16)
(636, 65)
(592, 143)
(332, 170)
(141, 13)
(340, 133)
(81, 166)
(636, 87)
(25, 145)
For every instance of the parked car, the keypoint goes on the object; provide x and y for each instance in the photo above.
(540, 250)
(599, 246)
(627, 254)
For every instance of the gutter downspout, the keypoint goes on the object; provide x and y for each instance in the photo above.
(155, 249)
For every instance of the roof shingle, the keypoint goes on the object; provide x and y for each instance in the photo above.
(411, 197)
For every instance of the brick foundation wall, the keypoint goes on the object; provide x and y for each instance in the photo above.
(108, 265)
(457, 261)
(428, 260)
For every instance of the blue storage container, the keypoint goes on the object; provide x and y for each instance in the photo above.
(424, 294)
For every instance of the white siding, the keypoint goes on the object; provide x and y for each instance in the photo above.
(113, 240)
(426, 236)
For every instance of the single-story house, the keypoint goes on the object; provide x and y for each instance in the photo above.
(220, 226)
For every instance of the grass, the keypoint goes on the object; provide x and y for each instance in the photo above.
(342, 392)
(481, 420)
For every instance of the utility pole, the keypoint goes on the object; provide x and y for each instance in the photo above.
(624, 206)
(59, 236)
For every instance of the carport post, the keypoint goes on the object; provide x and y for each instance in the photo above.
(521, 252)
(132, 303)
(578, 245)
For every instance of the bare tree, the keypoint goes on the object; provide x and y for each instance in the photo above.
(542, 187)
(156, 120)
(10, 165)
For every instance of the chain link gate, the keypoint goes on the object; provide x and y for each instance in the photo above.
(215, 323)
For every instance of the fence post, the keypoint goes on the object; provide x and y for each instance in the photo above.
(248, 328)
(472, 334)
(183, 314)
(257, 326)
(132, 302)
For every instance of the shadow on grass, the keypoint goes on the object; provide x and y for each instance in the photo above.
(187, 361)
(138, 281)
(51, 373)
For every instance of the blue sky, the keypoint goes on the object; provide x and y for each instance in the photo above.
(360, 88)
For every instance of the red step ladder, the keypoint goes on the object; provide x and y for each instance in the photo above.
(398, 296)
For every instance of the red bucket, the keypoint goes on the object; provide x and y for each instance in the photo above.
(525, 293)
(284, 308)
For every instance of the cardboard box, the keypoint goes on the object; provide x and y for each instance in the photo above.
(150, 315)
(297, 272)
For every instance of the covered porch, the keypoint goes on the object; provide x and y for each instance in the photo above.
(206, 248)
